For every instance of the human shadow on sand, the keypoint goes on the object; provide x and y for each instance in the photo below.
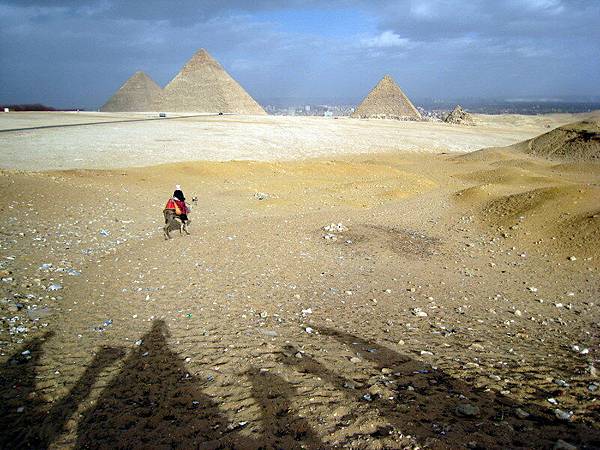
(154, 402)
(26, 420)
(441, 411)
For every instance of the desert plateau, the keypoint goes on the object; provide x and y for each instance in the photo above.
(347, 283)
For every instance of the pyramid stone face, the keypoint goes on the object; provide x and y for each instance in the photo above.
(459, 116)
(387, 101)
(138, 93)
(204, 86)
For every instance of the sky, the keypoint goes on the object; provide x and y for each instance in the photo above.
(76, 53)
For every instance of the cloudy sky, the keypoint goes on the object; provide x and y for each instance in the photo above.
(76, 53)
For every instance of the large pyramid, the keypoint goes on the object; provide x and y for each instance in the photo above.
(387, 101)
(204, 86)
(138, 93)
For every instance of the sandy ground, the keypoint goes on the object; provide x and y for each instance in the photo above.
(122, 140)
(457, 308)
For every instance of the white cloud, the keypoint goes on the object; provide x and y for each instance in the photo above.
(550, 6)
(387, 39)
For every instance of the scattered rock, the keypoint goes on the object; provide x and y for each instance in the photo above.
(419, 313)
(467, 410)
(563, 415)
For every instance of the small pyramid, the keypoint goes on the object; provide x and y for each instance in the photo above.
(138, 93)
(203, 85)
(459, 116)
(387, 101)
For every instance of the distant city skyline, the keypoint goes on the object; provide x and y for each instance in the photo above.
(70, 54)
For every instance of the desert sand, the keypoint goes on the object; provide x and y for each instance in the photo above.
(142, 139)
(456, 306)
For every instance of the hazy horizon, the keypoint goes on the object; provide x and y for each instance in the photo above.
(67, 55)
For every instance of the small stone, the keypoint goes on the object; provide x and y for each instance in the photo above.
(419, 313)
(270, 333)
(532, 289)
(20, 409)
(563, 415)
(521, 414)
(309, 330)
(518, 313)
(572, 258)
(386, 371)
(55, 287)
(298, 355)
(467, 410)
(188, 359)
(354, 360)
(264, 315)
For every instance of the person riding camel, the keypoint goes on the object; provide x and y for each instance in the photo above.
(177, 202)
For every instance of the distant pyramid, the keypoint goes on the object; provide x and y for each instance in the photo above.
(204, 86)
(387, 101)
(459, 116)
(139, 93)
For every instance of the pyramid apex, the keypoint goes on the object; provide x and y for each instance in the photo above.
(139, 73)
(202, 54)
(138, 93)
(386, 100)
(203, 85)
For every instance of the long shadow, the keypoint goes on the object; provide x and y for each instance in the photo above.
(428, 402)
(20, 409)
(282, 428)
(25, 419)
(155, 403)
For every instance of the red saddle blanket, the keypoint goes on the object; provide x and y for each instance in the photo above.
(177, 205)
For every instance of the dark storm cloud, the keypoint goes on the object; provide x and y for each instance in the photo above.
(73, 53)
